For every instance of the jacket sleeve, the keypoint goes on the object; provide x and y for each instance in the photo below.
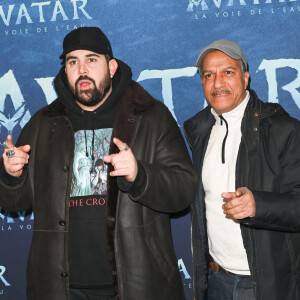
(17, 195)
(14, 198)
(280, 210)
(170, 179)
(134, 188)
(276, 211)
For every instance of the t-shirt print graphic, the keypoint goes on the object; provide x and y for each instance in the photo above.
(89, 171)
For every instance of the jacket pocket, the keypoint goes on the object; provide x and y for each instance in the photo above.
(160, 258)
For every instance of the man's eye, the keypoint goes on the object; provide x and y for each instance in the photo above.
(92, 59)
(228, 72)
(207, 75)
(72, 62)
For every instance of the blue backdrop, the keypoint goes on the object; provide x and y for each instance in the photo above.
(160, 40)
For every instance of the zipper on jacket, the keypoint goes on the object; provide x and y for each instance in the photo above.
(248, 229)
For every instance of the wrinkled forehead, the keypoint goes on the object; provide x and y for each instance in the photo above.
(217, 58)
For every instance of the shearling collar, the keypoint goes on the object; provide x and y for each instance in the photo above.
(135, 100)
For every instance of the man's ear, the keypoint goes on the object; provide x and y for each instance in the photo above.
(246, 79)
(113, 66)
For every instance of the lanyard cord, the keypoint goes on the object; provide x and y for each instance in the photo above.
(224, 140)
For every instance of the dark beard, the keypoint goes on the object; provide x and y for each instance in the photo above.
(95, 95)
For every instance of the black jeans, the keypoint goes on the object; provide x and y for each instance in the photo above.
(77, 294)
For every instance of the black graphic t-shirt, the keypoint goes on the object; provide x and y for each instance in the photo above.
(88, 254)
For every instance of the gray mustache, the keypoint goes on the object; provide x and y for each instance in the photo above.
(221, 91)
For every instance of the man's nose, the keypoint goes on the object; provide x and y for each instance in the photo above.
(219, 81)
(82, 68)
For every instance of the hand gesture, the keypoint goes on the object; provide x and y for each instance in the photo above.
(241, 204)
(124, 162)
(14, 158)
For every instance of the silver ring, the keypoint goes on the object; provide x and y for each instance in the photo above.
(6, 146)
(10, 153)
(126, 147)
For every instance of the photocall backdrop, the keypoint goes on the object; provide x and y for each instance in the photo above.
(160, 40)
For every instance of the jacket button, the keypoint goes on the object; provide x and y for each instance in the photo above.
(255, 129)
(64, 274)
(255, 114)
(66, 169)
(62, 223)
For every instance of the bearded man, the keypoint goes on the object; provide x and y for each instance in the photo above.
(113, 245)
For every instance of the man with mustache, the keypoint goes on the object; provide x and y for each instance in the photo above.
(115, 243)
(246, 216)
